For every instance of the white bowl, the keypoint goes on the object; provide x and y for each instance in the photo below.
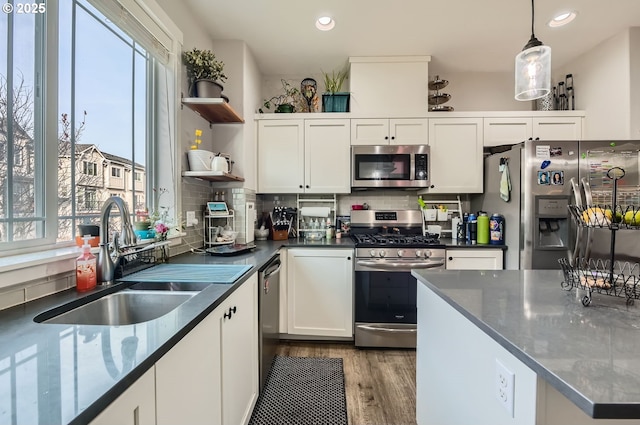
(261, 234)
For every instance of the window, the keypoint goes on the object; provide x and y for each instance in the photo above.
(89, 168)
(112, 103)
(137, 176)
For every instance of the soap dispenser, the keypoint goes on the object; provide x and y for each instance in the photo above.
(86, 277)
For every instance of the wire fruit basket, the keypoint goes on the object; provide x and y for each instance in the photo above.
(608, 277)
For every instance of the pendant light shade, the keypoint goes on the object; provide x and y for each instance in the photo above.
(533, 68)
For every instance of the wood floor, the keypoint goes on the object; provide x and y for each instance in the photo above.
(380, 384)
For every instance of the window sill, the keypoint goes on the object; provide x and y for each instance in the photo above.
(22, 261)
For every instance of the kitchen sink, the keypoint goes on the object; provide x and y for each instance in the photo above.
(126, 307)
(169, 286)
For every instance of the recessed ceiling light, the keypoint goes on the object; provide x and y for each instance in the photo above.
(562, 19)
(325, 23)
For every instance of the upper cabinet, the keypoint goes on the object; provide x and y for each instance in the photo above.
(455, 155)
(510, 130)
(214, 110)
(304, 156)
(400, 131)
(389, 86)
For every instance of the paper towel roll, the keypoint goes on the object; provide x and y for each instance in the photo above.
(315, 211)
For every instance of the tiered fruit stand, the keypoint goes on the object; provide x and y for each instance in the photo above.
(608, 277)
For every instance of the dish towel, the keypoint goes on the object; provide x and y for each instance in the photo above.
(505, 181)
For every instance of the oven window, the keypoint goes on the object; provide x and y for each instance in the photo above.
(385, 297)
(382, 167)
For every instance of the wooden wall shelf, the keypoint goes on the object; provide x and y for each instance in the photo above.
(213, 176)
(214, 110)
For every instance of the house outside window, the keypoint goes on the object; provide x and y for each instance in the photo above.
(90, 168)
(116, 172)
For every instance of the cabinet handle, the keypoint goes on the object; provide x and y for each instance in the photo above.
(432, 186)
(348, 258)
(393, 137)
(530, 138)
(300, 186)
(537, 138)
(307, 186)
(232, 310)
(450, 258)
(386, 137)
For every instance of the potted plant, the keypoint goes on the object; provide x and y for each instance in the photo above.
(284, 102)
(334, 99)
(205, 72)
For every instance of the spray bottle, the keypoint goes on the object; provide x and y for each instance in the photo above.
(86, 278)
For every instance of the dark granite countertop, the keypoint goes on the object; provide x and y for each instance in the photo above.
(67, 374)
(589, 354)
(450, 243)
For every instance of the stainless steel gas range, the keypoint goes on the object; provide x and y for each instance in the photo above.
(388, 245)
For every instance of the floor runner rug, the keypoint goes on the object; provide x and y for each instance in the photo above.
(302, 391)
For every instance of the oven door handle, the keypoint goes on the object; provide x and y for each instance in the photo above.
(388, 265)
(391, 330)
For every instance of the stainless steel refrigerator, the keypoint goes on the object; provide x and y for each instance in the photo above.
(548, 176)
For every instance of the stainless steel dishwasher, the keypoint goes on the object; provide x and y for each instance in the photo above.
(269, 313)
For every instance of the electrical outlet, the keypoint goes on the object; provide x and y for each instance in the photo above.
(505, 387)
(191, 218)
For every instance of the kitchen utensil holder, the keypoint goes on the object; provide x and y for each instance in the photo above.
(279, 235)
(608, 277)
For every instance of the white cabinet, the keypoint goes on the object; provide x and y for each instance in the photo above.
(389, 86)
(400, 131)
(189, 375)
(280, 156)
(474, 259)
(327, 156)
(455, 155)
(320, 292)
(511, 130)
(237, 319)
(135, 406)
(211, 375)
(304, 156)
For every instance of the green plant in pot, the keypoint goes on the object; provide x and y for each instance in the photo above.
(334, 99)
(205, 72)
(283, 103)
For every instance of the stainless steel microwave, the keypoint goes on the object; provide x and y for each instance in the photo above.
(400, 166)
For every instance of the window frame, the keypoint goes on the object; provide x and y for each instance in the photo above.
(46, 119)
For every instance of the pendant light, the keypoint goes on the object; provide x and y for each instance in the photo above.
(533, 68)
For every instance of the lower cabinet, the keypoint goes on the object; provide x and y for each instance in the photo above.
(211, 376)
(135, 406)
(320, 292)
(475, 259)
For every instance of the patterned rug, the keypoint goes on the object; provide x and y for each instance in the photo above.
(302, 391)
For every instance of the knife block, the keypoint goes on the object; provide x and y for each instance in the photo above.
(279, 235)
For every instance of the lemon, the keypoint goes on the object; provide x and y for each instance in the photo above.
(630, 218)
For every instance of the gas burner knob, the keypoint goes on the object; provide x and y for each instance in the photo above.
(427, 253)
(418, 253)
(372, 253)
(382, 253)
(400, 252)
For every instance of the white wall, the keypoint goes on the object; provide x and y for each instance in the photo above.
(601, 79)
(634, 49)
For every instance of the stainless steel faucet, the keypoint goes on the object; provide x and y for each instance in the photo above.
(107, 264)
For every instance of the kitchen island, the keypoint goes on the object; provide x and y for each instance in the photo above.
(570, 363)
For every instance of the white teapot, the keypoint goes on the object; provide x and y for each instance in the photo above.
(219, 163)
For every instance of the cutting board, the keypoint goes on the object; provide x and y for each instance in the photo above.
(212, 273)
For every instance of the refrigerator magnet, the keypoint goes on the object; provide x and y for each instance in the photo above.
(543, 177)
(557, 177)
(545, 164)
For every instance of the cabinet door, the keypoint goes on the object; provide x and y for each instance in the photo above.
(238, 322)
(281, 156)
(370, 131)
(327, 163)
(189, 375)
(409, 131)
(507, 130)
(456, 155)
(474, 259)
(320, 292)
(557, 128)
(135, 406)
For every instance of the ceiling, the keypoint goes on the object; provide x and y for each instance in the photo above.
(460, 35)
